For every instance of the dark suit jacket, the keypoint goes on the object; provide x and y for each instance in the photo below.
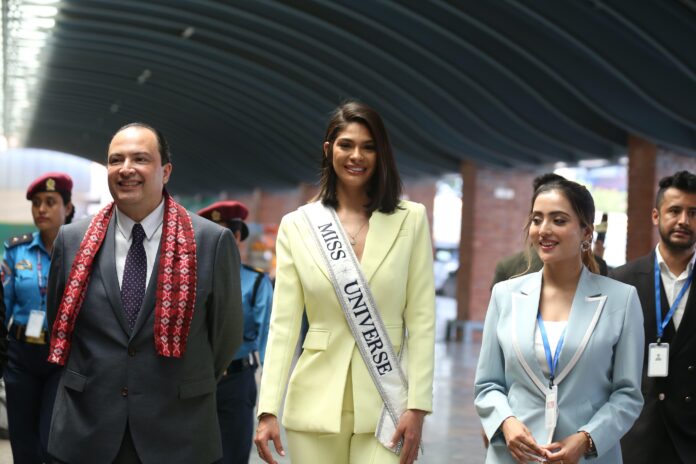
(674, 417)
(115, 378)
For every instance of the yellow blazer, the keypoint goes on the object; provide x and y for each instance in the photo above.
(397, 263)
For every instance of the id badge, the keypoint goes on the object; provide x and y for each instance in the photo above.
(35, 323)
(658, 360)
(551, 407)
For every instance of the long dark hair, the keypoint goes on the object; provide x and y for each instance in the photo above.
(582, 203)
(385, 187)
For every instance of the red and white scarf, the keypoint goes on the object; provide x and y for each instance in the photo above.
(176, 283)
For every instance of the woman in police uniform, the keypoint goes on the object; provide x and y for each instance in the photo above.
(29, 379)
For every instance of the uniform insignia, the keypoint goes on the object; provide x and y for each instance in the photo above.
(19, 240)
(50, 185)
(24, 265)
(216, 216)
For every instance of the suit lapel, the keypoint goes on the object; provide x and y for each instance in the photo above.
(384, 229)
(525, 308)
(588, 300)
(687, 327)
(645, 284)
(107, 271)
(587, 303)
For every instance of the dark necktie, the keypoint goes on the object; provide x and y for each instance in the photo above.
(134, 274)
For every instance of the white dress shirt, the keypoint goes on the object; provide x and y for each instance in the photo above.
(673, 285)
(152, 225)
(554, 329)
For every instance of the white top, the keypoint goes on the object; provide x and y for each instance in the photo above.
(554, 329)
(152, 225)
(673, 285)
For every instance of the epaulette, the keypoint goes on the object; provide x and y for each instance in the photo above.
(254, 269)
(18, 240)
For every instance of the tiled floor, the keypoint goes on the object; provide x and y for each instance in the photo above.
(452, 432)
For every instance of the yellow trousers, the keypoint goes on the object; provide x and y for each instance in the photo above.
(344, 447)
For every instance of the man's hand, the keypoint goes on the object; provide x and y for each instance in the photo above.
(268, 429)
(410, 428)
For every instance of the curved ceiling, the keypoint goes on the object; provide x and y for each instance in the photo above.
(242, 90)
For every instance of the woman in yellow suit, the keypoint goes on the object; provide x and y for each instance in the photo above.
(332, 405)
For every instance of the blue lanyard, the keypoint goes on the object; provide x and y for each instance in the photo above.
(658, 301)
(552, 362)
(39, 275)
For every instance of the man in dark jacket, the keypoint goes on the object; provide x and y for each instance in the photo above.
(665, 432)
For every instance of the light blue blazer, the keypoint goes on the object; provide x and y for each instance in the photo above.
(598, 373)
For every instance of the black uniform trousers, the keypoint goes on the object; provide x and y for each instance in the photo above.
(236, 399)
(31, 383)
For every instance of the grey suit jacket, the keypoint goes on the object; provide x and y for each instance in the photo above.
(114, 377)
(600, 394)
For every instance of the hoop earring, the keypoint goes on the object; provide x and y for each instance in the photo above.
(585, 246)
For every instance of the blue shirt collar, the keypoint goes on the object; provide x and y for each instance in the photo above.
(37, 242)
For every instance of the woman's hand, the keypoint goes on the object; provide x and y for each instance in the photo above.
(268, 429)
(520, 442)
(410, 428)
(567, 451)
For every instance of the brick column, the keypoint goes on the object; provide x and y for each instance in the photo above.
(500, 207)
(423, 191)
(273, 205)
(642, 184)
(466, 243)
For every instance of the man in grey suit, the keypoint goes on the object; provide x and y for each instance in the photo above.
(144, 301)
(665, 430)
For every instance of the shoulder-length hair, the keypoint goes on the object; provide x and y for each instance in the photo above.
(384, 188)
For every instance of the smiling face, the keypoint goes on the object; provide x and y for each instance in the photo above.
(49, 211)
(135, 172)
(676, 219)
(354, 157)
(555, 230)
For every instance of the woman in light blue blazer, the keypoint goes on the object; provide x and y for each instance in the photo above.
(564, 343)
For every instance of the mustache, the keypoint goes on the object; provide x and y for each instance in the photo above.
(682, 230)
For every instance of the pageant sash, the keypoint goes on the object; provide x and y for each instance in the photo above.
(365, 323)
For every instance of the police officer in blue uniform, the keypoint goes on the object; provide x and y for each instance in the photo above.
(236, 392)
(30, 381)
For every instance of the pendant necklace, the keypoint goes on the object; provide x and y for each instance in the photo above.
(353, 237)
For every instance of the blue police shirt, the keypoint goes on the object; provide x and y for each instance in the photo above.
(25, 277)
(257, 316)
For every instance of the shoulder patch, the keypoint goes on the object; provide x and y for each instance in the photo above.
(18, 240)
